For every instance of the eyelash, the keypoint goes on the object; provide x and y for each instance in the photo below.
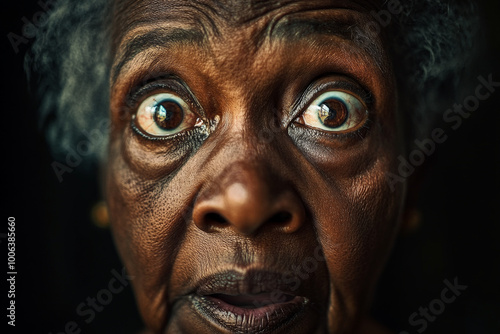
(136, 96)
(311, 93)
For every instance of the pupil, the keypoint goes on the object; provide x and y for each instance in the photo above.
(168, 115)
(333, 113)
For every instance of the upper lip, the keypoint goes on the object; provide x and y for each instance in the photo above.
(250, 282)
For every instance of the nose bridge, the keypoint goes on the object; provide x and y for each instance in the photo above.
(247, 195)
(247, 151)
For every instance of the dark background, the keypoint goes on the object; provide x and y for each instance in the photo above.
(63, 257)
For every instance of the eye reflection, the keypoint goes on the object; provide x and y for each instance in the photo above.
(334, 111)
(165, 114)
(168, 115)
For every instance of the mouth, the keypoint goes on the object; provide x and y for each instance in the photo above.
(254, 302)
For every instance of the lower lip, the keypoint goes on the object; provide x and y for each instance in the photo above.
(249, 320)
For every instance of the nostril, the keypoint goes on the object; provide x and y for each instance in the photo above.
(283, 213)
(281, 217)
(215, 219)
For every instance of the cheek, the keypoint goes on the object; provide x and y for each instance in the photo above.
(357, 232)
(357, 216)
(373, 212)
(144, 230)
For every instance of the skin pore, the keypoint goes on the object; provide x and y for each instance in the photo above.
(243, 184)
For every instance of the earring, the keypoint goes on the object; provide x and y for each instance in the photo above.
(412, 221)
(100, 215)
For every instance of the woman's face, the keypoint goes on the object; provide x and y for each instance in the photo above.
(246, 176)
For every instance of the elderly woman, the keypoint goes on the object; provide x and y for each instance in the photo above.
(257, 162)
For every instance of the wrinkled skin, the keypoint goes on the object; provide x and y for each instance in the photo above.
(212, 199)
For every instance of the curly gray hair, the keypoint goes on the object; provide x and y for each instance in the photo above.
(70, 59)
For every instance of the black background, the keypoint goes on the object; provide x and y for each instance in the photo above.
(63, 258)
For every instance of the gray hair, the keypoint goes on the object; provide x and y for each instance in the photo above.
(70, 60)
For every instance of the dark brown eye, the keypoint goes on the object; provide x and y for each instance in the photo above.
(165, 114)
(334, 111)
(168, 115)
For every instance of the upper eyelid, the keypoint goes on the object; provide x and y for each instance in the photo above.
(321, 98)
(143, 91)
(168, 83)
(175, 98)
(350, 88)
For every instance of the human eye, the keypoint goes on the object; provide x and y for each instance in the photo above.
(163, 115)
(335, 111)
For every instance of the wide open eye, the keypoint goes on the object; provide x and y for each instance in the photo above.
(165, 114)
(335, 111)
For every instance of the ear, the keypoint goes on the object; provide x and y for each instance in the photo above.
(412, 214)
(100, 215)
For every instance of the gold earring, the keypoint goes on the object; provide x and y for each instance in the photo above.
(100, 215)
(412, 221)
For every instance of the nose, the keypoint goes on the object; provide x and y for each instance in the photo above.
(248, 199)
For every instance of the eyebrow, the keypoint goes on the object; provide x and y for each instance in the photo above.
(160, 38)
(298, 29)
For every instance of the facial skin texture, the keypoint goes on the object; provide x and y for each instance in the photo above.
(254, 189)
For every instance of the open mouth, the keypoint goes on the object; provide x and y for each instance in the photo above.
(247, 303)
(252, 301)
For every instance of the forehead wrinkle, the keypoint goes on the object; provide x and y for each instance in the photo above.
(211, 14)
(132, 14)
(240, 12)
(296, 29)
(287, 27)
(243, 12)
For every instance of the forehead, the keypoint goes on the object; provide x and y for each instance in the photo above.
(213, 16)
(138, 25)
